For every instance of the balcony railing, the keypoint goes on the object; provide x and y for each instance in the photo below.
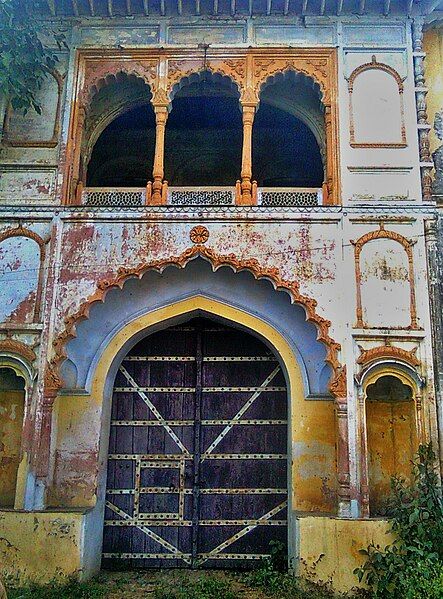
(202, 196)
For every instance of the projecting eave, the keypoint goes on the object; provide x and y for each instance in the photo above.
(237, 8)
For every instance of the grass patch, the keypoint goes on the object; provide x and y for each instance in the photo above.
(92, 589)
(202, 588)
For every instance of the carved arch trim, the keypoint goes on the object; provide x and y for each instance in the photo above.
(36, 143)
(97, 73)
(217, 261)
(380, 66)
(17, 347)
(21, 231)
(180, 70)
(317, 69)
(383, 352)
(407, 245)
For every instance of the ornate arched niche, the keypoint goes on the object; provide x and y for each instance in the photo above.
(119, 133)
(384, 273)
(22, 256)
(376, 108)
(33, 129)
(390, 420)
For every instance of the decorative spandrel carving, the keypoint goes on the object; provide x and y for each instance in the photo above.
(438, 155)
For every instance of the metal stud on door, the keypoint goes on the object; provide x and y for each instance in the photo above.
(197, 471)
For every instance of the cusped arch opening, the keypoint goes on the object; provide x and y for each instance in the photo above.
(203, 141)
(12, 410)
(119, 134)
(289, 125)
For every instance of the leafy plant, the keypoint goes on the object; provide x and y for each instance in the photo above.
(24, 61)
(412, 566)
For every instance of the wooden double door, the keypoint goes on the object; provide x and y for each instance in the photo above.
(197, 465)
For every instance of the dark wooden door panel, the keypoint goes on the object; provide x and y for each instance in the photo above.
(197, 470)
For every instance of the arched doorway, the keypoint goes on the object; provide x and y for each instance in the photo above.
(197, 460)
(12, 409)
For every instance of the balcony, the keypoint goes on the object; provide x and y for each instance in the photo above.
(299, 197)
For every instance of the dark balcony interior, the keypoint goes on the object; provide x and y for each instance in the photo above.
(204, 135)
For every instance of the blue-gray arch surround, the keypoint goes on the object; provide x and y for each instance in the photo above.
(156, 290)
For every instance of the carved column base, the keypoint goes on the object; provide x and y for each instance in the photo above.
(246, 193)
(157, 193)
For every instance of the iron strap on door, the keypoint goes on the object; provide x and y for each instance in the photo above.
(197, 464)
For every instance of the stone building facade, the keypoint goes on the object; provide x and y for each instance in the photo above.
(217, 249)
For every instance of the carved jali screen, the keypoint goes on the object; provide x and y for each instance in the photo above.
(197, 470)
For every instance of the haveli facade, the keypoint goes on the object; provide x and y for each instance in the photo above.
(218, 246)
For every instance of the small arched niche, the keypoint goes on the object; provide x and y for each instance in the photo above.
(376, 107)
(392, 439)
(20, 262)
(385, 282)
(119, 138)
(12, 409)
(289, 126)
(204, 131)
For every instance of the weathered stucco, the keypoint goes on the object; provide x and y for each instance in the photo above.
(41, 546)
(329, 548)
(338, 291)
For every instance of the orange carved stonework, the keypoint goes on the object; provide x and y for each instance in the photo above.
(338, 384)
(17, 347)
(97, 72)
(199, 234)
(235, 69)
(388, 351)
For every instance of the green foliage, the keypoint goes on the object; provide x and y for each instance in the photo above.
(91, 589)
(24, 61)
(202, 588)
(411, 567)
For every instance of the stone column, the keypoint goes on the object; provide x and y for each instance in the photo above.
(338, 388)
(247, 196)
(433, 238)
(157, 193)
(76, 185)
(328, 184)
(363, 448)
(42, 446)
(426, 164)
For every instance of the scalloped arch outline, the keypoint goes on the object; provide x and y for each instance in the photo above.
(217, 261)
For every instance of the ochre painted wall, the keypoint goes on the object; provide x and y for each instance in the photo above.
(433, 46)
(314, 487)
(40, 546)
(12, 404)
(392, 442)
(329, 547)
